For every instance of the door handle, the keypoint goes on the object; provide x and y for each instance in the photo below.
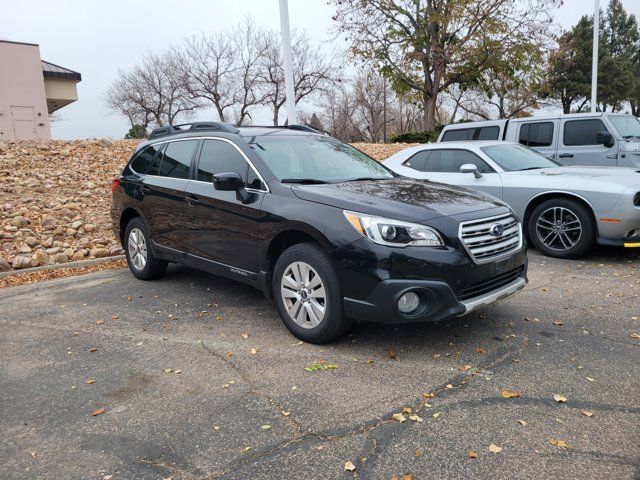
(612, 155)
(566, 155)
(191, 201)
(144, 190)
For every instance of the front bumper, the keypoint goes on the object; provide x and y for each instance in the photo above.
(438, 302)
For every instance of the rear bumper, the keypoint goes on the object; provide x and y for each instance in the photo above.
(437, 301)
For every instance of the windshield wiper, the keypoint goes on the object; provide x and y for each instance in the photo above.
(627, 137)
(530, 168)
(306, 181)
(365, 179)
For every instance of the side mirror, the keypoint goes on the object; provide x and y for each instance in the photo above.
(470, 168)
(229, 182)
(604, 138)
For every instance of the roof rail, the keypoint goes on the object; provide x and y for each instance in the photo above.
(302, 128)
(192, 127)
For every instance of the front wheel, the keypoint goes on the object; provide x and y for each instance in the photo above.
(307, 294)
(562, 228)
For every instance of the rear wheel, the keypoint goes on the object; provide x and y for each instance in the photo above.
(562, 228)
(307, 295)
(140, 258)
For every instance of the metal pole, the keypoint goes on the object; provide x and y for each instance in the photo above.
(384, 109)
(288, 63)
(594, 61)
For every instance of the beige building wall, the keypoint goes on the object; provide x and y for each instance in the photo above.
(23, 101)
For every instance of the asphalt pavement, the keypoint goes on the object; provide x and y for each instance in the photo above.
(195, 377)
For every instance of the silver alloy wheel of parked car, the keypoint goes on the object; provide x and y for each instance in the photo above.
(303, 294)
(559, 228)
(137, 248)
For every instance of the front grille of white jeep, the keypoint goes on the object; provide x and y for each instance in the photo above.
(480, 239)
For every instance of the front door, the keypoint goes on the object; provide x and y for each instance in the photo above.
(578, 144)
(443, 165)
(222, 228)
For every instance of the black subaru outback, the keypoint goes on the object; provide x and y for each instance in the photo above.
(332, 235)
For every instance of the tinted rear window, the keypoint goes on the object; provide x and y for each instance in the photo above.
(457, 135)
(487, 133)
(176, 159)
(539, 134)
(143, 163)
(475, 133)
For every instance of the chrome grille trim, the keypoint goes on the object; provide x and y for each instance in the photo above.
(483, 247)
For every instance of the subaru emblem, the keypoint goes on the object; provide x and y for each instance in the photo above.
(496, 230)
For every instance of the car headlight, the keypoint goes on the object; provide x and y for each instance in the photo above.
(393, 233)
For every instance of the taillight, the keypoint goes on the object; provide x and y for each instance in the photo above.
(114, 184)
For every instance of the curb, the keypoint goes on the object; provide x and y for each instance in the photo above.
(78, 264)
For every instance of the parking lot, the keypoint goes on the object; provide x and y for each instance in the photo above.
(194, 376)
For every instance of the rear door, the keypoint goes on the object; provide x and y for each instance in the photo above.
(221, 227)
(578, 143)
(443, 165)
(163, 193)
(538, 136)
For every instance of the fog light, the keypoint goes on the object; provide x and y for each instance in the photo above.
(408, 302)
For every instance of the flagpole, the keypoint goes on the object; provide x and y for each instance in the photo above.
(287, 62)
(594, 61)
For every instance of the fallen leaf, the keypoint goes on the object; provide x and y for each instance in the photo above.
(168, 370)
(178, 372)
(245, 450)
(254, 351)
(587, 413)
(557, 323)
(415, 418)
(480, 350)
(229, 354)
(635, 318)
(370, 361)
(635, 335)
(139, 344)
(399, 417)
(90, 381)
(315, 366)
(472, 454)
(558, 443)
(97, 412)
(93, 349)
(244, 335)
(590, 379)
(407, 410)
(419, 453)
(392, 354)
(510, 394)
(349, 466)
(99, 322)
(115, 317)
(495, 448)
(407, 476)
(265, 427)
(522, 422)
(436, 415)
(544, 289)
(449, 386)
(559, 398)
(428, 395)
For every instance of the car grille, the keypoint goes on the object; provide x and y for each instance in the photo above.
(484, 286)
(482, 245)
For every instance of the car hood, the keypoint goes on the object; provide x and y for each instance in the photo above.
(618, 176)
(399, 198)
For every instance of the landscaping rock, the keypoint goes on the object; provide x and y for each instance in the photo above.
(20, 262)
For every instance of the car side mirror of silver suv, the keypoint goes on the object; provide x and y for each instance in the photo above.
(470, 168)
(604, 138)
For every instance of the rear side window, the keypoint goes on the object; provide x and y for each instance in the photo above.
(218, 156)
(583, 132)
(418, 161)
(176, 159)
(143, 163)
(487, 133)
(539, 134)
(450, 161)
(456, 135)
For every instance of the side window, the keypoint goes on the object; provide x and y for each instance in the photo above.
(487, 133)
(176, 159)
(143, 163)
(583, 132)
(456, 135)
(418, 160)
(538, 134)
(218, 156)
(450, 161)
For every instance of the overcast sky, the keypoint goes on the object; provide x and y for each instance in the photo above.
(98, 38)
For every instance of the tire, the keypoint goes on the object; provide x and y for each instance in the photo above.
(562, 228)
(307, 301)
(140, 259)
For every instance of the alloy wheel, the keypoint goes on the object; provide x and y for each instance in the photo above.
(303, 294)
(137, 248)
(558, 228)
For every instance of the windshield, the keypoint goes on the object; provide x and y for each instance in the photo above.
(627, 125)
(315, 159)
(516, 157)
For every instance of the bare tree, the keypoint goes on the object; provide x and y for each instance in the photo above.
(209, 69)
(369, 91)
(312, 71)
(153, 92)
